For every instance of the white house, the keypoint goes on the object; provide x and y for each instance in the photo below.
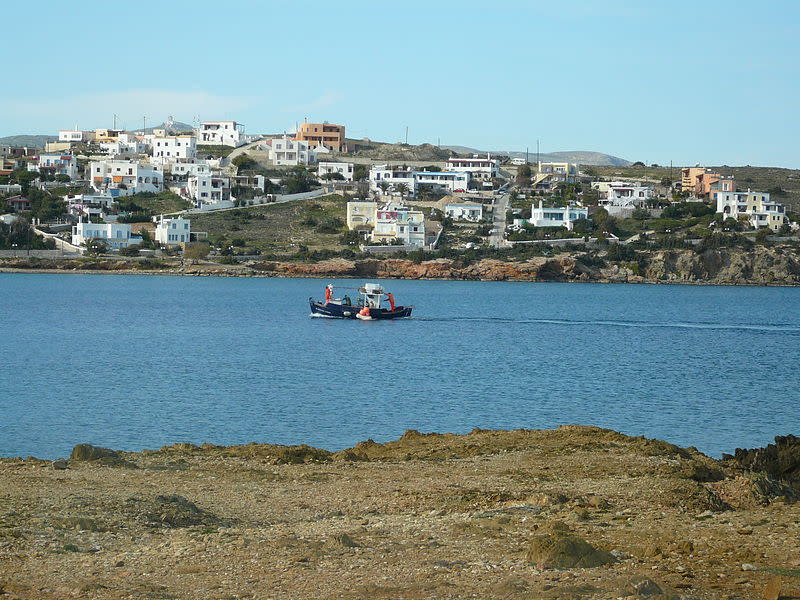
(627, 195)
(125, 177)
(397, 222)
(392, 176)
(173, 148)
(172, 231)
(757, 207)
(288, 152)
(556, 217)
(483, 169)
(209, 189)
(187, 168)
(518, 162)
(114, 235)
(344, 169)
(463, 211)
(58, 164)
(452, 181)
(75, 135)
(221, 133)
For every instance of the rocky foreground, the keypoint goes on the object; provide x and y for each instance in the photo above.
(761, 265)
(577, 512)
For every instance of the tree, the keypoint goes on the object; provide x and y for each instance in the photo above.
(360, 172)
(297, 181)
(132, 250)
(524, 175)
(243, 162)
(402, 188)
(195, 251)
(350, 238)
(640, 214)
(384, 186)
(95, 246)
(61, 178)
(333, 177)
(24, 178)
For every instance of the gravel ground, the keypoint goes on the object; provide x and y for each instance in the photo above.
(426, 516)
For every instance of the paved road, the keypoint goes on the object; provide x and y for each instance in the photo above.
(500, 206)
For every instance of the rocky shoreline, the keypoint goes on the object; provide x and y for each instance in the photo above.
(576, 512)
(774, 266)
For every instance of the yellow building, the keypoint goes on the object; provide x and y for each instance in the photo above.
(107, 135)
(756, 207)
(361, 213)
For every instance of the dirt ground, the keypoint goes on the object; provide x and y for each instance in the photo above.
(426, 516)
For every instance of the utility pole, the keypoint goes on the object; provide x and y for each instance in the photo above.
(115, 121)
(526, 155)
(537, 154)
(406, 134)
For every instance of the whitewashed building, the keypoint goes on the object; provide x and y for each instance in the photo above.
(556, 216)
(757, 207)
(627, 195)
(172, 231)
(188, 168)
(452, 181)
(125, 144)
(57, 164)
(484, 169)
(114, 235)
(75, 136)
(288, 152)
(209, 188)
(463, 211)
(392, 176)
(343, 169)
(221, 133)
(170, 149)
(397, 222)
(125, 177)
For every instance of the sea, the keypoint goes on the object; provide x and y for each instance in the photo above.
(138, 361)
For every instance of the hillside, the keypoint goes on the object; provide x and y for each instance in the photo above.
(782, 184)
(576, 156)
(35, 141)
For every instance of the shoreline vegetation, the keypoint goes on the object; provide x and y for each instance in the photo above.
(573, 512)
(760, 265)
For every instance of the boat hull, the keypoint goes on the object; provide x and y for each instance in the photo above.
(343, 311)
(332, 310)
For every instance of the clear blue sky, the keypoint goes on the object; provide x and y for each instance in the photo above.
(692, 82)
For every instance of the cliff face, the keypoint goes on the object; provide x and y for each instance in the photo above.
(759, 266)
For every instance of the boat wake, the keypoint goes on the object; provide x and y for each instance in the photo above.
(782, 328)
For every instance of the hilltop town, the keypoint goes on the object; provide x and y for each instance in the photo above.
(219, 197)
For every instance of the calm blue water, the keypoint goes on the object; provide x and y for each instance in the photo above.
(136, 362)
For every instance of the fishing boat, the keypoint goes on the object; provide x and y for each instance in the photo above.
(368, 306)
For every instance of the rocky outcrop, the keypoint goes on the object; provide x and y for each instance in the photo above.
(780, 460)
(759, 265)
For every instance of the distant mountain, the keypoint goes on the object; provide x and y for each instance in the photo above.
(173, 126)
(38, 141)
(29, 141)
(577, 156)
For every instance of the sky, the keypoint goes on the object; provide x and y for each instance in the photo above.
(707, 82)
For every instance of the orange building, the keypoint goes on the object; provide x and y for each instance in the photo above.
(329, 135)
(698, 181)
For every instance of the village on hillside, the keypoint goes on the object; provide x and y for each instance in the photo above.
(216, 191)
